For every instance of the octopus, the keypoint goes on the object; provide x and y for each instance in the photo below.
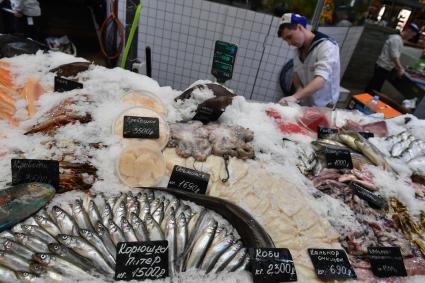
(199, 141)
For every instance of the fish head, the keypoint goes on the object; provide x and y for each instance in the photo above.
(64, 239)
(42, 258)
(148, 218)
(107, 212)
(27, 228)
(78, 206)
(111, 225)
(25, 276)
(8, 244)
(56, 248)
(182, 219)
(100, 229)
(36, 268)
(125, 224)
(86, 233)
(58, 212)
(92, 205)
(20, 237)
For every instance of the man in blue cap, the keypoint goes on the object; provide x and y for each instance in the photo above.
(390, 58)
(316, 63)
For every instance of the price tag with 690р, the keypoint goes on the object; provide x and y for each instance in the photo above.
(272, 265)
(186, 179)
(141, 260)
(331, 264)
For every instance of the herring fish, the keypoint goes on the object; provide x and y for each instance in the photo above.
(227, 256)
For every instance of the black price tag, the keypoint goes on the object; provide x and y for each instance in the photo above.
(331, 264)
(223, 60)
(386, 261)
(338, 158)
(374, 200)
(62, 85)
(141, 260)
(272, 265)
(367, 135)
(141, 127)
(34, 170)
(207, 114)
(189, 180)
(323, 132)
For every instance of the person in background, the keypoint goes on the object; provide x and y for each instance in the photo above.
(390, 58)
(27, 17)
(316, 63)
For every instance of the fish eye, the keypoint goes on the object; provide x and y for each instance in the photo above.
(43, 256)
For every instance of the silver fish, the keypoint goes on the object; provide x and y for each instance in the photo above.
(244, 264)
(69, 255)
(81, 247)
(144, 210)
(38, 232)
(43, 212)
(415, 149)
(155, 232)
(47, 225)
(158, 215)
(166, 204)
(120, 212)
(115, 232)
(13, 261)
(398, 148)
(17, 228)
(219, 245)
(30, 221)
(154, 205)
(93, 213)
(86, 201)
(166, 219)
(80, 215)
(103, 233)
(201, 245)
(236, 261)
(398, 138)
(172, 249)
(128, 230)
(181, 235)
(106, 215)
(7, 235)
(33, 243)
(227, 256)
(133, 206)
(151, 195)
(7, 275)
(26, 276)
(174, 204)
(65, 222)
(194, 223)
(117, 204)
(96, 241)
(50, 275)
(59, 264)
(18, 249)
(139, 227)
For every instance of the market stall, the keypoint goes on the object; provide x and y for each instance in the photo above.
(328, 186)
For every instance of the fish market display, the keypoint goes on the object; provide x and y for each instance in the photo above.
(195, 139)
(79, 239)
(20, 201)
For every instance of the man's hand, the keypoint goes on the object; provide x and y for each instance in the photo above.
(288, 99)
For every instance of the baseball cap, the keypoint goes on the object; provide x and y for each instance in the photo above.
(413, 27)
(291, 18)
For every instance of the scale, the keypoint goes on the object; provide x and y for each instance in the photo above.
(223, 60)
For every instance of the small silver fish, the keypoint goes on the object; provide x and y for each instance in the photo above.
(120, 212)
(133, 206)
(7, 275)
(83, 248)
(244, 264)
(415, 149)
(181, 235)
(26, 276)
(219, 245)
(38, 232)
(172, 248)
(227, 256)
(201, 245)
(7, 235)
(155, 232)
(96, 241)
(48, 274)
(166, 219)
(103, 233)
(398, 148)
(194, 223)
(139, 227)
(14, 262)
(117, 204)
(106, 215)
(158, 215)
(144, 211)
(174, 204)
(150, 195)
(236, 261)
(154, 205)
(128, 230)
(47, 225)
(18, 249)
(93, 213)
(69, 255)
(80, 215)
(33, 243)
(59, 264)
(65, 222)
(112, 200)
(115, 232)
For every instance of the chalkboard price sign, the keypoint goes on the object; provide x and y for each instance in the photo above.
(62, 85)
(186, 179)
(323, 132)
(374, 200)
(338, 158)
(35, 170)
(141, 127)
(141, 260)
(386, 261)
(331, 264)
(272, 265)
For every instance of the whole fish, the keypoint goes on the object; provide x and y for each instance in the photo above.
(174, 204)
(38, 232)
(26, 276)
(236, 261)
(133, 206)
(83, 248)
(371, 152)
(33, 243)
(13, 261)
(164, 223)
(194, 223)
(182, 235)
(158, 215)
(96, 241)
(7, 275)
(218, 247)
(69, 255)
(201, 245)
(399, 147)
(154, 230)
(144, 210)
(122, 198)
(103, 233)
(80, 215)
(139, 227)
(115, 232)
(48, 274)
(21, 201)
(47, 225)
(128, 230)
(93, 213)
(349, 140)
(18, 249)
(65, 222)
(106, 215)
(171, 238)
(227, 256)
(415, 149)
(59, 264)
(120, 212)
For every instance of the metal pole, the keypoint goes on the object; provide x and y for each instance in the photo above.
(316, 16)
(130, 13)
